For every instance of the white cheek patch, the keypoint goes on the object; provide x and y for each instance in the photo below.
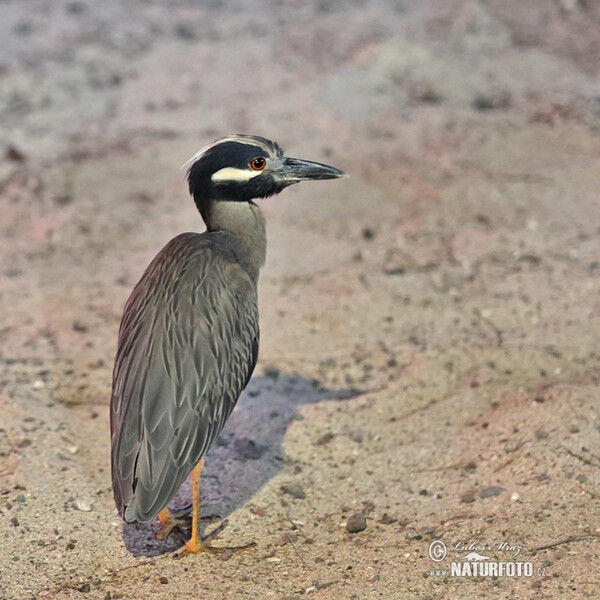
(231, 174)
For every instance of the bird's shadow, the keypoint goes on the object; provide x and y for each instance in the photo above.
(247, 454)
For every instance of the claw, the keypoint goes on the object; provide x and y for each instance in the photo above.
(182, 518)
(196, 544)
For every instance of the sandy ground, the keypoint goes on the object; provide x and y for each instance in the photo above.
(430, 353)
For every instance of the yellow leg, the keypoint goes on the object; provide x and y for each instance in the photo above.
(196, 543)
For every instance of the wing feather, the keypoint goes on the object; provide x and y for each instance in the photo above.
(188, 344)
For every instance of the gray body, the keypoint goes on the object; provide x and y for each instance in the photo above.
(188, 340)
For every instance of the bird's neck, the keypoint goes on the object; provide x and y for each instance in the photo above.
(246, 223)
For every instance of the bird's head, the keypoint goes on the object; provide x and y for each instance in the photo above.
(239, 168)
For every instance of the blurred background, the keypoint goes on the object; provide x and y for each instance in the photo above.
(429, 353)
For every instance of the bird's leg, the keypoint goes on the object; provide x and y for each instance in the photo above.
(197, 543)
(182, 518)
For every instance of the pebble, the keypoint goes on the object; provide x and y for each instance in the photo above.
(492, 490)
(468, 497)
(356, 436)
(13, 153)
(293, 489)
(83, 504)
(79, 326)
(356, 522)
(249, 449)
(387, 520)
(272, 371)
(85, 588)
(324, 439)
(164, 580)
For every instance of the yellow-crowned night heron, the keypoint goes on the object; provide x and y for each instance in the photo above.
(188, 340)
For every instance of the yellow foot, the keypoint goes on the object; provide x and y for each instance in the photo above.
(169, 521)
(197, 544)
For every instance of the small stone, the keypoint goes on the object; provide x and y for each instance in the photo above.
(249, 449)
(453, 279)
(324, 439)
(14, 522)
(514, 497)
(272, 372)
(164, 580)
(85, 588)
(285, 538)
(582, 478)
(186, 31)
(356, 436)
(20, 498)
(13, 153)
(492, 490)
(23, 443)
(79, 326)
(357, 522)
(83, 504)
(468, 497)
(293, 489)
(541, 433)
(368, 233)
(38, 384)
(387, 519)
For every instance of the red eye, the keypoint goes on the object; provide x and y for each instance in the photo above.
(258, 164)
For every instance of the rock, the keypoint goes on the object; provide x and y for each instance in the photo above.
(293, 489)
(249, 449)
(79, 326)
(356, 436)
(272, 372)
(492, 490)
(368, 233)
(83, 504)
(357, 522)
(14, 154)
(452, 279)
(468, 497)
(324, 439)
(387, 520)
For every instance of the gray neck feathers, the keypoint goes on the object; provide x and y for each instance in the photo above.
(246, 223)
